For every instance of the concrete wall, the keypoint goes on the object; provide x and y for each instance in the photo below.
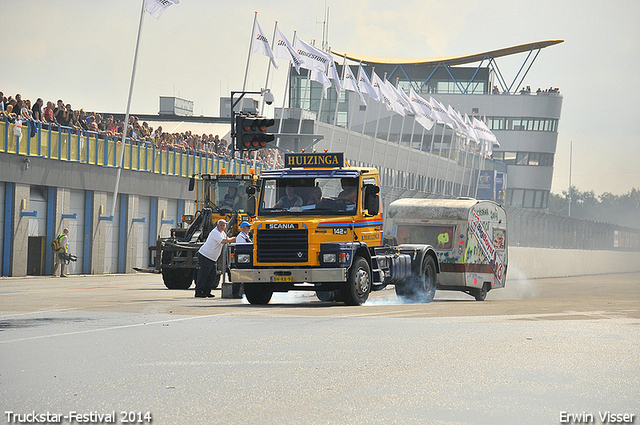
(530, 263)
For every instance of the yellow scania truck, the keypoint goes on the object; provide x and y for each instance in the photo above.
(319, 227)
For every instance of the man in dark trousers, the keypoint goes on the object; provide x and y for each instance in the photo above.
(208, 255)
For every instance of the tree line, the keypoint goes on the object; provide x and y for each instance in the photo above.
(623, 210)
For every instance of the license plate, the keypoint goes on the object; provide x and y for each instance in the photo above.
(283, 279)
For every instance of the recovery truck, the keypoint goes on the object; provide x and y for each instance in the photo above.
(319, 227)
(218, 196)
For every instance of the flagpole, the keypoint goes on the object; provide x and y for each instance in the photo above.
(284, 101)
(335, 115)
(246, 70)
(266, 86)
(126, 119)
(415, 186)
(375, 134)
(413, 130)
(364, 124)
(433, 136)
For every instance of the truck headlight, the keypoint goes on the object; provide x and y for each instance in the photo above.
(244, 258)
(328, 258)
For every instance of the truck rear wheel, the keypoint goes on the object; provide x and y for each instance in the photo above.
(359, 284)
(419, 289)
(177, 278)
(257, 293)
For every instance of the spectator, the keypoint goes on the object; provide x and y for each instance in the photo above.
(48, 113)
(36, 110)
(26, 110)
(93, 126)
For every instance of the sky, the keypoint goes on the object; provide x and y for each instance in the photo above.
(82, 51)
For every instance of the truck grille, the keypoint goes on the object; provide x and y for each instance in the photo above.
(282, 246)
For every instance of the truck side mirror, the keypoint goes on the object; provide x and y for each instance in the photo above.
(251, 205)
(192, 183)
(372, 199)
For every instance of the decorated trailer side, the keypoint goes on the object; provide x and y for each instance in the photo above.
(469, 237)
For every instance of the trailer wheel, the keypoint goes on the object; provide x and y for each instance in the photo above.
(177, 278)
(481, 293)
(419, 289)
(257, 293)
(359, 284)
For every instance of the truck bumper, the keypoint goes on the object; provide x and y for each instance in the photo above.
(294, 276)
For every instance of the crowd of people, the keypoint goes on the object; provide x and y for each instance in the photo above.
(527, 90)
(59, 114)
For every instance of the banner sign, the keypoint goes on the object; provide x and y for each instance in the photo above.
(313, 160)
(488, 248)
(486, 185)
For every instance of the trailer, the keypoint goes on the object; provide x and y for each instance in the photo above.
(469, 237)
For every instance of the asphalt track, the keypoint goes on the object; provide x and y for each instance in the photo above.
(535, 352)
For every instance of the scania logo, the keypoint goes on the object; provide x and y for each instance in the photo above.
(300, 254)
(282, 225)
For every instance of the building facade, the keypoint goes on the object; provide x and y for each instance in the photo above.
(441, 163)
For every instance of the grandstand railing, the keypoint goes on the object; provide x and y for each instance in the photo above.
(88, 147)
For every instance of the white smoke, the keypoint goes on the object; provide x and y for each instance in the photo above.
(517, 287)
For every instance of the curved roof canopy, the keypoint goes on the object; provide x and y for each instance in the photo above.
(451, 60)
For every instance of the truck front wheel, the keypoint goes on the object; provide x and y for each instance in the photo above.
(359, 284)
(257, 293)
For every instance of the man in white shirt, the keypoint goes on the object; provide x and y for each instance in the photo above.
(207, 257)
(243, 236)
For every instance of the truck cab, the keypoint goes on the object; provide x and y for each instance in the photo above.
(319, 227)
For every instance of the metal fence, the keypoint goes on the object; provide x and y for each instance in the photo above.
(69, 144)
(532, 228)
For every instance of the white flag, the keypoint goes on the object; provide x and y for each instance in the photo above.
(393, 96)
(261, 44)
(322, 78)
(441, 113)
(471, 133)
(350, 83)
(284, 50)
(404, 100)
(157, 7)
(483, 132)
(310, 57)
(378, 85)
(424, 111)
(365, 84)
(332, 73)
(457, 118)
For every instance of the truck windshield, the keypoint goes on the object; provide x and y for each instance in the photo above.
(223, 195)
(311, 196)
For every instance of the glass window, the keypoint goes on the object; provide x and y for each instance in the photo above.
(534, 158)
(510, 158)
(517, 196)
(440, 237)
(530, 125)
(536, 125)
(537, 203)
(522, 158)
(516, 124)
(498, 156)
(528, 198)
(546, 125)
